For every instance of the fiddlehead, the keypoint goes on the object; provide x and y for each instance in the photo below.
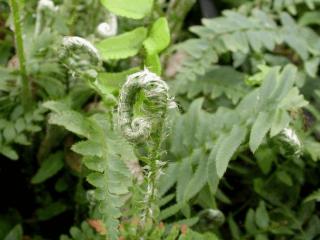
(43, 5)
(72, 44)
(214, 216)
(156, 98)
(147, 127)
(71, 55)
(109, 28)
(289, 143)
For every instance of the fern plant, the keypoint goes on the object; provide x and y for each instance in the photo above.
(102, 156)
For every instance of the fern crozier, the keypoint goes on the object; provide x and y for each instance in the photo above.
(108, 29)
(72, 43)
(156, 92)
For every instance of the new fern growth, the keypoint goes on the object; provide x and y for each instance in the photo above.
(109, 28)
(156, 95)
(87, 68)
(72, 44)
(148, 127)
(43, 5)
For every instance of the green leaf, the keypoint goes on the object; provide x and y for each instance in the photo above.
(197, 182)
(88, 148)
(169, 211)
(122, 46)
(309, 18)
(168, 179)
(114, 80)
(184, 176)
(153, 63)
(212, 176)
(268, 85)
(158, 38)
(315, 196)
(15, 233)
(234, 229)
(249, 222)
(50, 166)
(136, 9)
(74, 122)
(228, 147)
(262, 216)
(259, 129)
(97, 179)
(311, 66)
(51, 210)
(261, 237)
(9, 133)
(265, 157)
(94, 163)
(280, 121)
(9, 152)
(285, 178)
(286, 81)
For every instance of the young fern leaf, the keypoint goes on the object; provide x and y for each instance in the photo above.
(148, 127)
(76, 63)
(43, 6)
(156, 96)
(72, 44)
(289, 143)
(109, 28)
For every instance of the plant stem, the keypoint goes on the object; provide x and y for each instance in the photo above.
(176, 14)
(153, 175)
(26, 89)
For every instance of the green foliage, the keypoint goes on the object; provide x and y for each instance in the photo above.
(158, 38)
(109, 174)
(127, 8)
(48, 168)
(125, 45)
(234, 156)
(15, 233)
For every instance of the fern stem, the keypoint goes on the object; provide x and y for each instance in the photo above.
(176, 14)
(26, 88)
(153, 175)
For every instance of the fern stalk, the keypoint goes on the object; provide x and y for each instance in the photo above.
(147, 129)
(176, 13)
(154, 172)
(26, 88)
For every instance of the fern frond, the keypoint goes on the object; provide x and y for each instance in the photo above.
(235, 32)
(102, 156)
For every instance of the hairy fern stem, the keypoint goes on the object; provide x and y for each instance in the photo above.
(153, 172)
(147, 128)
(26, 88)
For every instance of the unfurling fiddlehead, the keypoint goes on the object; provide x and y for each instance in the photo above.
(109, 28)
(43, 5)
(147, 127)
(212, 216)
(72, 45)
(156, 98)
(289, 143)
